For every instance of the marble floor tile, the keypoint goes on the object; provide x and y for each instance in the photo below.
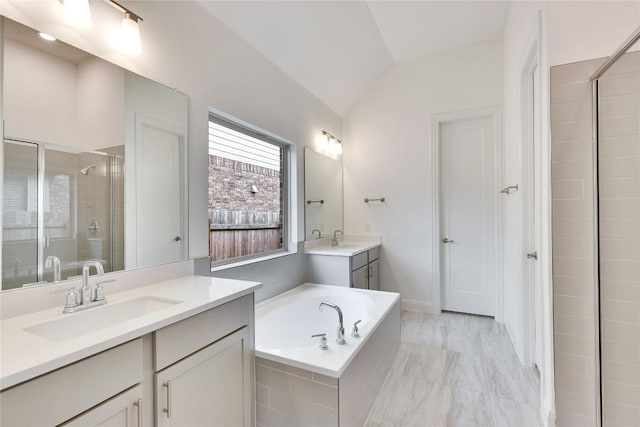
(456, 370)
(509, 413)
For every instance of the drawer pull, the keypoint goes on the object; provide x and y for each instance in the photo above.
(138, 404)
(167, 410)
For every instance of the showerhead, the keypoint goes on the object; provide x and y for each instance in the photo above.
(85, 171)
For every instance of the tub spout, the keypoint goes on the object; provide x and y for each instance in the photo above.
(340, 332)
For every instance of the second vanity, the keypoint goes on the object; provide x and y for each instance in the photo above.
(177, 352)
(353, 263)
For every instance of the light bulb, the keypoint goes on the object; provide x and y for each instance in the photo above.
(130, 35)
(79, 12)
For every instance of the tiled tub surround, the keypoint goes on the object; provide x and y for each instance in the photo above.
(619, 194)
(302, 385)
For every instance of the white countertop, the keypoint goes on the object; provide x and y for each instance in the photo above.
(345, 248)
(24, 355)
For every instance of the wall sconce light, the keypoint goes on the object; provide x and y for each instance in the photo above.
(129, 37)
(79, 12)
(334, 143)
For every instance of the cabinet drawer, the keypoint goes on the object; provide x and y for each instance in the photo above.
(62, 394)
(358, 261)
(181, 339)
(374, 253)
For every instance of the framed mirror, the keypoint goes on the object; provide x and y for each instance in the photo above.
(94, 163)
(323, 207)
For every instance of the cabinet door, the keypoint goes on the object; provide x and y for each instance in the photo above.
(374, 274)
(123, 410)
(359, 277)
(211, 387)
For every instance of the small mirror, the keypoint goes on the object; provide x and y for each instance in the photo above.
(323, 195)
(94, 163)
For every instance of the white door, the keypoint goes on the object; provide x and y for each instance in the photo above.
(467, 216)
(159, 185)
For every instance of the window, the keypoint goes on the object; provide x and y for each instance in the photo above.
(247, 192)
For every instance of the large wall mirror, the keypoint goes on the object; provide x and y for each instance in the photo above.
(94, 163)
(323, 207)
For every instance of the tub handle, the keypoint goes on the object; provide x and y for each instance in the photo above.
(323, 341)
(354, 332)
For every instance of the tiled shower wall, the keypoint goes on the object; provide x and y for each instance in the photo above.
(619, 178)
(573, 243)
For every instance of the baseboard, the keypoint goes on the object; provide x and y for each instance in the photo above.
(416, 306)
(550, 419)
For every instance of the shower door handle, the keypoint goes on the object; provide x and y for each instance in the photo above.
(177, 239)
(532, 255)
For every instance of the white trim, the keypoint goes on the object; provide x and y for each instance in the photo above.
(494, 113)
(417, 306)
(251, 260)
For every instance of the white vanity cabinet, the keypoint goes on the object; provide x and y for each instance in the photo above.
(95, 382)
(195, 372)
(213, 385)
(357, 271)
(123, 410)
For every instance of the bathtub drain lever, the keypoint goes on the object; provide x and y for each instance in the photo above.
(354, 331)
(323, 341)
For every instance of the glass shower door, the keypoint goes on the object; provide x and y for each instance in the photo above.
(20, 258)
(619, 240)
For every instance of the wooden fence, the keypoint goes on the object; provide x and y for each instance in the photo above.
(235, 234)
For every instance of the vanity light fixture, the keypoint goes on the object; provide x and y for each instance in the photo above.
(334, 143)
(47, 37)
(79, 11)
(129, 37)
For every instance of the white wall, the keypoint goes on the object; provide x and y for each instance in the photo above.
(582, 30)
(186, 48)
(387, 153)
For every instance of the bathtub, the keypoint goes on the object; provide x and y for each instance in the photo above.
(296, 381)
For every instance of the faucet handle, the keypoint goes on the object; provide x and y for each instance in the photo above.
(71, 299)
(100, 289)
(323, 341)
(354, 332)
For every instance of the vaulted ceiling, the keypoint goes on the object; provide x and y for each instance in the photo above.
(337, 49)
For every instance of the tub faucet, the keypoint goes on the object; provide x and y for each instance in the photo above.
(54, 261)
(319, 233)
(85, 292)
(340, 337)
(334, 241)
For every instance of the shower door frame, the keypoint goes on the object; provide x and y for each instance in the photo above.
(633, 38)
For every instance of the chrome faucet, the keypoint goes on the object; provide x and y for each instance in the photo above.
(54, 261)
(334, 241)
(319, 233)
(85, 291)
(340, 337)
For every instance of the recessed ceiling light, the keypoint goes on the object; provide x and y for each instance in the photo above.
(47, 37)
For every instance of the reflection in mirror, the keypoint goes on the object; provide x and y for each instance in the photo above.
(323, 195)
(72, 120)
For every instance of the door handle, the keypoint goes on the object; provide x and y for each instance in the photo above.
(446, 240)
(138, 404)
(532, 255)
(167, 410)
(177, 239)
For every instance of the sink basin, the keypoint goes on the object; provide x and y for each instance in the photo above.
(86, 322)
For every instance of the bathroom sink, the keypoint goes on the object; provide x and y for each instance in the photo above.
(86, 322)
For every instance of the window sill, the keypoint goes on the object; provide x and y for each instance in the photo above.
(252, 260)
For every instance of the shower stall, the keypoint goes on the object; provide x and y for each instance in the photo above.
(616, 132)
(595, 173)
(61, 207)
